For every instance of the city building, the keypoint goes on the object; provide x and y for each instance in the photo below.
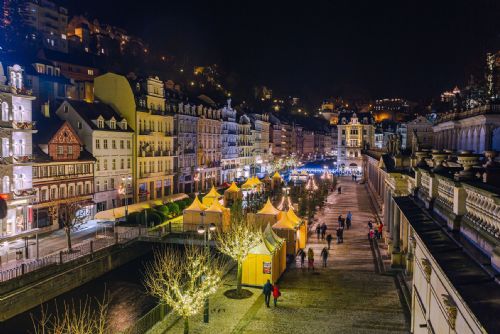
(229, 150)
(418, 133)
(395, 109)
(79, 68)
(442, 236)
(246, 158)
(319, 144)
(308, 145)
(63, 173)
(142, 103)
(476, 129)
(17, 130)
(260, 141)
(186, 125)
(209, 145)
(355, 133)
(107, 136)
(49, 22)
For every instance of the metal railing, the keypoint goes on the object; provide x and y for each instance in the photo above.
(147, 321)
(61, 257)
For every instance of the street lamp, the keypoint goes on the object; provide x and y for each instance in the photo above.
(125, 182)
(202, 229)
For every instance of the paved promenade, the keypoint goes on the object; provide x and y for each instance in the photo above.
(346, 297)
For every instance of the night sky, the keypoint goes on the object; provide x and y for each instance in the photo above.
(317, 49)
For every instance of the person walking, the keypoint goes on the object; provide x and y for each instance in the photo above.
(324, 256)
(339, 220)
(338, 235)
(302, 255)
(276, 294)
(348, 219)
(310, 259)
(323, 231)
(318, 230)
(329, 240)
(342, 235)
(380, 229)
(339, 190)
(267, 290)
(370, 224)
(371, 234)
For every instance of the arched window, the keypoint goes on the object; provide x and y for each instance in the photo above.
(5, 185)
(5, 111)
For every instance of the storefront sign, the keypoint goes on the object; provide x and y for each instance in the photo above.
(267, 268)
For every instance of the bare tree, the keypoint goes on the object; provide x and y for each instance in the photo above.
(183, 280)
(237, 243)
(72, 219)
(82, 318)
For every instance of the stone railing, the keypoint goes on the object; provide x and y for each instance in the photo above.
(425, 186)
(483, 210)
(481, 110)
(445, 193)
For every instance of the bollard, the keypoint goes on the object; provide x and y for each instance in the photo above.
(60, 257)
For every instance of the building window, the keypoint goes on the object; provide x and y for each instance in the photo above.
(113, 164)
(98, 165)
(79, 125)
(70, 150)
(128, 144)
(60, 150)
(53, 194)
(97, 144)
(90, 71)
(112, 125)
(105, 144)
(122, 144)
(66, 109)
(97, 186)
(128, 163)
(112, 183)
(105, 185)
(70, 191)
(87, 188)
(122, 164)
(100, 124)
(5, 111)
(113, 144)
(105, 166)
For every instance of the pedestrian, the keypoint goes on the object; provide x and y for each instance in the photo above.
(342, 235)
(380, 229)
(276, 294)
(267, 290)
(302, 255)
(338, 235)
(323, 231)
(310, 259)
(348, 219)
(376, 230)
(324, 256)
(372, 234)
(339, 190)
(329, 240)
(340, 219)
(318, 230)
(370, 225)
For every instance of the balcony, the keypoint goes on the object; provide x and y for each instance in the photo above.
(144, 132)
(23, 125)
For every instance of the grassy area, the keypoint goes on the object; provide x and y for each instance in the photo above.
(176, 220)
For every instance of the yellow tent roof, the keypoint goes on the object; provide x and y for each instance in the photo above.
(271, 239)
(213, 193)
(215, 207)
(233, 188)
(285, 223)
(292, 216)
(196, 205)
(269, 209)
(249, 183)
(256, 180)
(276, 175)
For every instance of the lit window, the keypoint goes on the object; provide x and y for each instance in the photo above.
(105, 144)
(90, 72)
(97, 144)
(100, 124)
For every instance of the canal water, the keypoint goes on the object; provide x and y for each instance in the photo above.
(127, 297)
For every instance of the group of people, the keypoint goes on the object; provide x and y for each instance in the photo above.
(269, 289)
(343, 223)
(375, 232)
(354, 177)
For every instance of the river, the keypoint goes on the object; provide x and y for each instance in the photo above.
(128, 300)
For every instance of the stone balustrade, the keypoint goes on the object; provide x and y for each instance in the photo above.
(483, 210)
(445, 193)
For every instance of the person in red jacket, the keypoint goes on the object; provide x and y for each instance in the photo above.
(276, 294)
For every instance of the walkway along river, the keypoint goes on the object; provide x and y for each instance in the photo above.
(128, 300)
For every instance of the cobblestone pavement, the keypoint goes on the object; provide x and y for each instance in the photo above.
(346, 297)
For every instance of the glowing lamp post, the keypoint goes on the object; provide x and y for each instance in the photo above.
(202, 229)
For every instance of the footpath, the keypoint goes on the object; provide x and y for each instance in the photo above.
(348, 296)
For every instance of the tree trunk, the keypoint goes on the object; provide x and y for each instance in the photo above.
(68, 237)
(239, 277)
(186, 325)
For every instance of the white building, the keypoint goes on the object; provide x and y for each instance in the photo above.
(106, 135)
(229, 149)
(16, 130)
(355, 133)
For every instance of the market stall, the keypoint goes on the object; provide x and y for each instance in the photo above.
(192, 215)
(212, 196)
(218, 215)
(267, 215)
(232, 194)
(289, 230)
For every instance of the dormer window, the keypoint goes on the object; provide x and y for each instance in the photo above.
(100, 123)
(112, 124)
(137, 87)
(124, 124)
(66, 109)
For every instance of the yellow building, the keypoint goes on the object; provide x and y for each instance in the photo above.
(245, 146)
(142, 103)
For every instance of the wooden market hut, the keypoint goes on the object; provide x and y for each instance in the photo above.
(265, 261)
(218, 215)
(302, 227)
(276, 180)
(267, 215)
(232, 194)
(212, 196)
(287, 229)
(192, 215)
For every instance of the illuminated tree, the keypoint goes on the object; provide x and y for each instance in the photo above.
(72, 218)
(82, 318)
(238, 241)
(183, 280)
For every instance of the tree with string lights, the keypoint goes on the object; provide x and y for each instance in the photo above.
(238, 240)
(183, 280)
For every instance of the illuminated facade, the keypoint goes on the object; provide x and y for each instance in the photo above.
(354, 134)
(17, 129)
(230, 156)
(245, 147)
(260, 141)
(209, 146)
